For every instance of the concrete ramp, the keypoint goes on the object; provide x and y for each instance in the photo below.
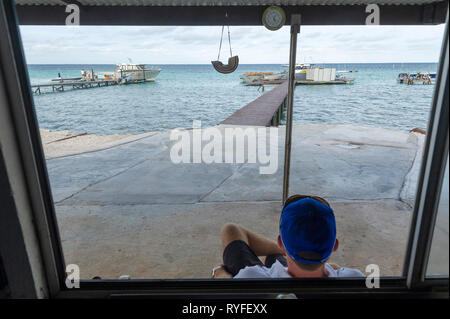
(119, 208)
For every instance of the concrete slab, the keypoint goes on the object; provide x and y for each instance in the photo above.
(71, 174)
(366, 172)
(183, 241)
(333, 161)
(129, 210)
(343, 168)
(152, 183)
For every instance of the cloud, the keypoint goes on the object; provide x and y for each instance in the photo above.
(184, 45)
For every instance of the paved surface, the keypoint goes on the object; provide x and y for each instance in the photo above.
(182, 241)
(129, 210)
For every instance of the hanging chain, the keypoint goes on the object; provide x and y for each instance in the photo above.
(220, 46)
(229, 40)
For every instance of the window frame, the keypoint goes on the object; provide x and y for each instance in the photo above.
(431, 176)
(27, 139)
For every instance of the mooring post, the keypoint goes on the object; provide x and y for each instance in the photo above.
(279, 111)
(295, 29)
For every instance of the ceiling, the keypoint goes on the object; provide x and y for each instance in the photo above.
(231, 12)
(224, 2)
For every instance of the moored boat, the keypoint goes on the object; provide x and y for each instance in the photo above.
(257, 78)
(129, 72)
(318, 76)
(248, 78)
(124, 74)
(416, 78)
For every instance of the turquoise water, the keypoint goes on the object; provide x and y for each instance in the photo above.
(183, 93)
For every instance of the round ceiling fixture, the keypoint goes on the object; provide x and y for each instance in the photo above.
(273, 18)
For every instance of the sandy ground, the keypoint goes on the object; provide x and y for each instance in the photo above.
(124, 208)
(63, 143)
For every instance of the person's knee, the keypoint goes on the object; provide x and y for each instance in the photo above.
(230, 229)
(231, 232)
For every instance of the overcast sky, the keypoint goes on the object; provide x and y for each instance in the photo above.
(199, 45)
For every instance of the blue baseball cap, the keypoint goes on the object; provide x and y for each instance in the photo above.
(308, 230)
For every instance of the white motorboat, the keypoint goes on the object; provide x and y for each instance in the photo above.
(300, 70)
(129, 72)
(258, 78)
(125, 73)
(251, 77)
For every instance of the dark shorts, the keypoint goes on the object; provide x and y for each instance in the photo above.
(237, 255)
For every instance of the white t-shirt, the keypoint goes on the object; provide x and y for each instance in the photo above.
(279, 271)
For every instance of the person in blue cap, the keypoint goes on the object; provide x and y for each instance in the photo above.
(306, 241)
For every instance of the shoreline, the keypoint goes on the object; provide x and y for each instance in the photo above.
(65, 143)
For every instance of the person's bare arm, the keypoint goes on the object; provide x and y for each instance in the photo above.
(261, 245)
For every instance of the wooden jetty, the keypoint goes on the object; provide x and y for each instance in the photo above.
(59, 86)
(266, 110)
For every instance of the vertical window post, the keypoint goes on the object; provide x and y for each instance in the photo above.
(295, 29)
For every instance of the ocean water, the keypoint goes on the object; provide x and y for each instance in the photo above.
(183, 93)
